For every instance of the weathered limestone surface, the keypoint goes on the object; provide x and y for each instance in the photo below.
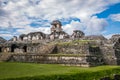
(82, 52)
(111, 51)
(115, 38)
(108, 53)
(73, 48)
(117, 51)
(84, 61)
(95, 37)
(102, 53)
(2, 40)
(30, 36)
(76, 49)
(77, 34)
(57, 31)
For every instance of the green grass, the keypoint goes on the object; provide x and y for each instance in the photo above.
(32, 71)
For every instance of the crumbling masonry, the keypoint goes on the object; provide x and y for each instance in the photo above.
(61, 48)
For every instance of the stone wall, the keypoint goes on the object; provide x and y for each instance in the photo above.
(111, 52)
(84, 61)
(107, 53)
(117, 52)
(79, 53)
(73, 49)
(79, 47)
(59, 42)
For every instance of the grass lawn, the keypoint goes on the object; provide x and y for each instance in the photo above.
(32, 71)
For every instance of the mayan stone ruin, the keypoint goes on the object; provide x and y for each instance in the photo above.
(58, 47)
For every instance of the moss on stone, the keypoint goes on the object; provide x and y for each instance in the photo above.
(83, 41)
(68, 55)
(75, 42)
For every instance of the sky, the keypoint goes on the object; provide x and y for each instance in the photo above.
(93, 17)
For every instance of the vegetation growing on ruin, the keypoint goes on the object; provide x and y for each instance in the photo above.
(71, 55)
(83, 41)
(27, 71)
(75, 42)
(67, 55)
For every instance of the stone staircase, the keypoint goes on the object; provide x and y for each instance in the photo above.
(5, 56)
(48, 49)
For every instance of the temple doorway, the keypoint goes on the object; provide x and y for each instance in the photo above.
(24, 48)
(119, 40)
(94, 50)
(13, 46)
(0, 49)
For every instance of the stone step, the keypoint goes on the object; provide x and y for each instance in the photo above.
(5, 57)
(47, 49)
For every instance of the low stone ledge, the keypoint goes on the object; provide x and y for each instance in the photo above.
(84, 61)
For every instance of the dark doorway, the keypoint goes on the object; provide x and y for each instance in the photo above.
(0, 49)
(119, 40)
(55, 50)
(13, 46)
(25, 48)
(94, 50)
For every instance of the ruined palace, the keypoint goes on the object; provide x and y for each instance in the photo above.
(58, 47)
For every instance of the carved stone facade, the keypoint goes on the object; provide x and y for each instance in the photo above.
(77, 34)
(30, 36)
(57, 31)
(58, 35)
(115, 38)
(56, 26)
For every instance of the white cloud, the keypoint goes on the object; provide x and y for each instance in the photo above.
(92, 26)
(95, 25)
(17, 14)
(108, 36)
(115, 17)
(28, 29)
(74, 25)
(7, 36)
